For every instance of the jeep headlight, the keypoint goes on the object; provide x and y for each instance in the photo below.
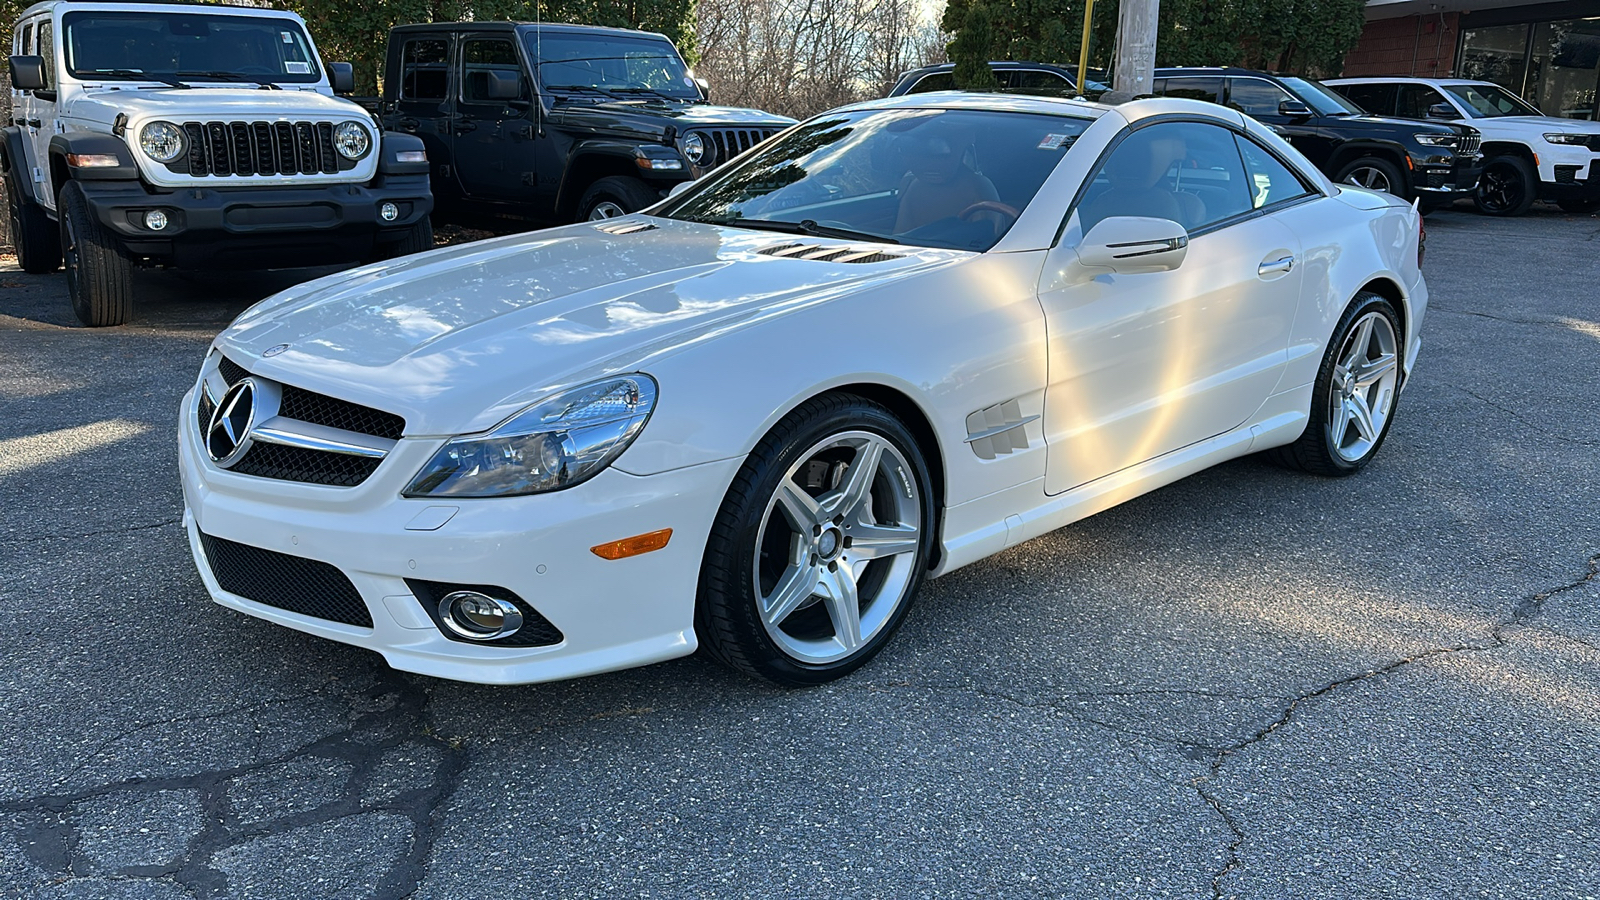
(554, 444)
(352, 140)
(694, 147)
(1567, 138)
(1438, 140)
(161, 141)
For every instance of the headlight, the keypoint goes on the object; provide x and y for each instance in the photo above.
(1439, 140)
(694, 147)
(551, 445)
(352, 140)
(161, 141)
(1565, 138)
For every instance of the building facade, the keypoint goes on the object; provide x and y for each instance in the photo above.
(1547, 52)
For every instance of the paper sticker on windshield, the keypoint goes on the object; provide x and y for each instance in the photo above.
(288, 37)
(297, 68)
(1054, 141)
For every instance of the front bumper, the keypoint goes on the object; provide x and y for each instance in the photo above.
(613, 614)
(1446, 177)
(260, 227)
(1575, 179)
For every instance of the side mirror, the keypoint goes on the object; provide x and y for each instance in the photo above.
(1443, 111)
(343, 78)
(1294, 109)
(27, 73)
(503, 85)
(705, 88)
(679, 188)
(1134, 244)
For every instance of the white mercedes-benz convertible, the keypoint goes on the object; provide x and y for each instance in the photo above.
(895, 339)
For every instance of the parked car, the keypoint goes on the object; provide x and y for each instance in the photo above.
(898, 338)
(1527, 154)
(553, 123)
(1013, 77)
(1434, 162)
(193, 136)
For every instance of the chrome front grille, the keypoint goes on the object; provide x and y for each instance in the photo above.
(1470, 143)
(259, 148)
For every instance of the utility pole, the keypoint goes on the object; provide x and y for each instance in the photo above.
(1136, 46)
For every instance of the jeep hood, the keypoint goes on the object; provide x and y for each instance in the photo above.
(457, 339)
(243, 103)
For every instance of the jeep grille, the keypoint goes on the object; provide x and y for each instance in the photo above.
(260, 148)
(730, 142)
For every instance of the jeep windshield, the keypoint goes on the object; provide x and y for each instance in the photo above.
(132, 45)
(951, 178)
(610, 65)
(1325, 101)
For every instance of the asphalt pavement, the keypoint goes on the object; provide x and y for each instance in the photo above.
(1252, 683)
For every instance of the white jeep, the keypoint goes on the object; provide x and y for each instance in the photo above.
(197, 137)
(1527, 155)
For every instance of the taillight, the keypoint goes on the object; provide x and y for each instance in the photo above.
(1422, 238)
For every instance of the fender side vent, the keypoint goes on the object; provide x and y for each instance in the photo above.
(828, 253)
(625, 227)
(998, 430)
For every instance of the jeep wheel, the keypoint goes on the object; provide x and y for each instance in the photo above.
(418, 238)
(1508, 187)
(1374, 174)
(615, 196)
(99, 276)
(38, 245)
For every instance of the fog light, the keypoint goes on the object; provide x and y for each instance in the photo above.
(155, 220)
(479, 617)
(389, 211)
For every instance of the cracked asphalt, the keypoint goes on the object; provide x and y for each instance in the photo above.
(1250, 684)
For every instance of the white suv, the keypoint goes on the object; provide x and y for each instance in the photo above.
(1528, 155)
(193, 136)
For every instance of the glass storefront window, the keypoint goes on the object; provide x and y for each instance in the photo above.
(1495, 54)
(1565, 67)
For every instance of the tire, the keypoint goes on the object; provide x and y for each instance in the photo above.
(34, 235)
(1579, 207)
(99, 276)
(794, 517)
(1328, 447)
(615, 196)
(1376, 174)
(418, 238)
(1508, 186)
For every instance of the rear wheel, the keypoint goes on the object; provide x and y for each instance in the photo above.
(615, 196)
(1508, 186)
(1374, 174)
(1353, 401)
(820, 545)
(34, 235)
(99, 276)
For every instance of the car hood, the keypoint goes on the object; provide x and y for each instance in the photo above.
(1405, 125)
(458, 339)
(233, 103)
(1539, 124)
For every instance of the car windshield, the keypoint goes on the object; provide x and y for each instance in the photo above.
(135, 45)
(1324, 100)
(610, 64)
(1491, 101)
(933, 177)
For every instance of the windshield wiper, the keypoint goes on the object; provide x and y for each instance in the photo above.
(583, 87)
(804, 226)
(139, 74)
(634, 90)
(231, 76)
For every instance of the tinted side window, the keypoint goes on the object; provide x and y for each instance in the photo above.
(1374, 98)
(1270, 180)
(938, 81)
(1207, 89)
(1255, 97)
(1040, 82)
(1414, 100)
(1188, 172)
(479, 57)
(24, 41)
(47, 49)
(424, 69)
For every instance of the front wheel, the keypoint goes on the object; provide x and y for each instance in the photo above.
(99, 275)
(418, 238)
(1353, 400)
(38, 245)
(615, 196)
(1374, 174)
(820, 544)
(1508, 186)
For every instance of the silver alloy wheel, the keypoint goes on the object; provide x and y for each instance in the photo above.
(1369, 177)
(606, 209)
(837, 549)
(1363, 390)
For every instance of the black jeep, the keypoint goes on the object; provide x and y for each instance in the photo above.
(556, 123)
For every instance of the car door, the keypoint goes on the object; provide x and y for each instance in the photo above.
(40, 113)
(423, 106)
(492, 138)
(1144, 364)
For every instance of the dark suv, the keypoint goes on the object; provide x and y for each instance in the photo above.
(1011, 77)
(1434, 161)
(552, 123)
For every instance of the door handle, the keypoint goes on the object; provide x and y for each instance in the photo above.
(1276, 267)
(35, 123)
(463, 124)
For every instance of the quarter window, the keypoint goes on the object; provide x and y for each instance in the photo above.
(1255, 97)
(24, 42)
(1270, 180)
(1188, 172)
(424, 70)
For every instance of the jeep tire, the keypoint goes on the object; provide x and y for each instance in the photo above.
(37, 242)
(417, 238)
(615, 196)
(99, 275)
